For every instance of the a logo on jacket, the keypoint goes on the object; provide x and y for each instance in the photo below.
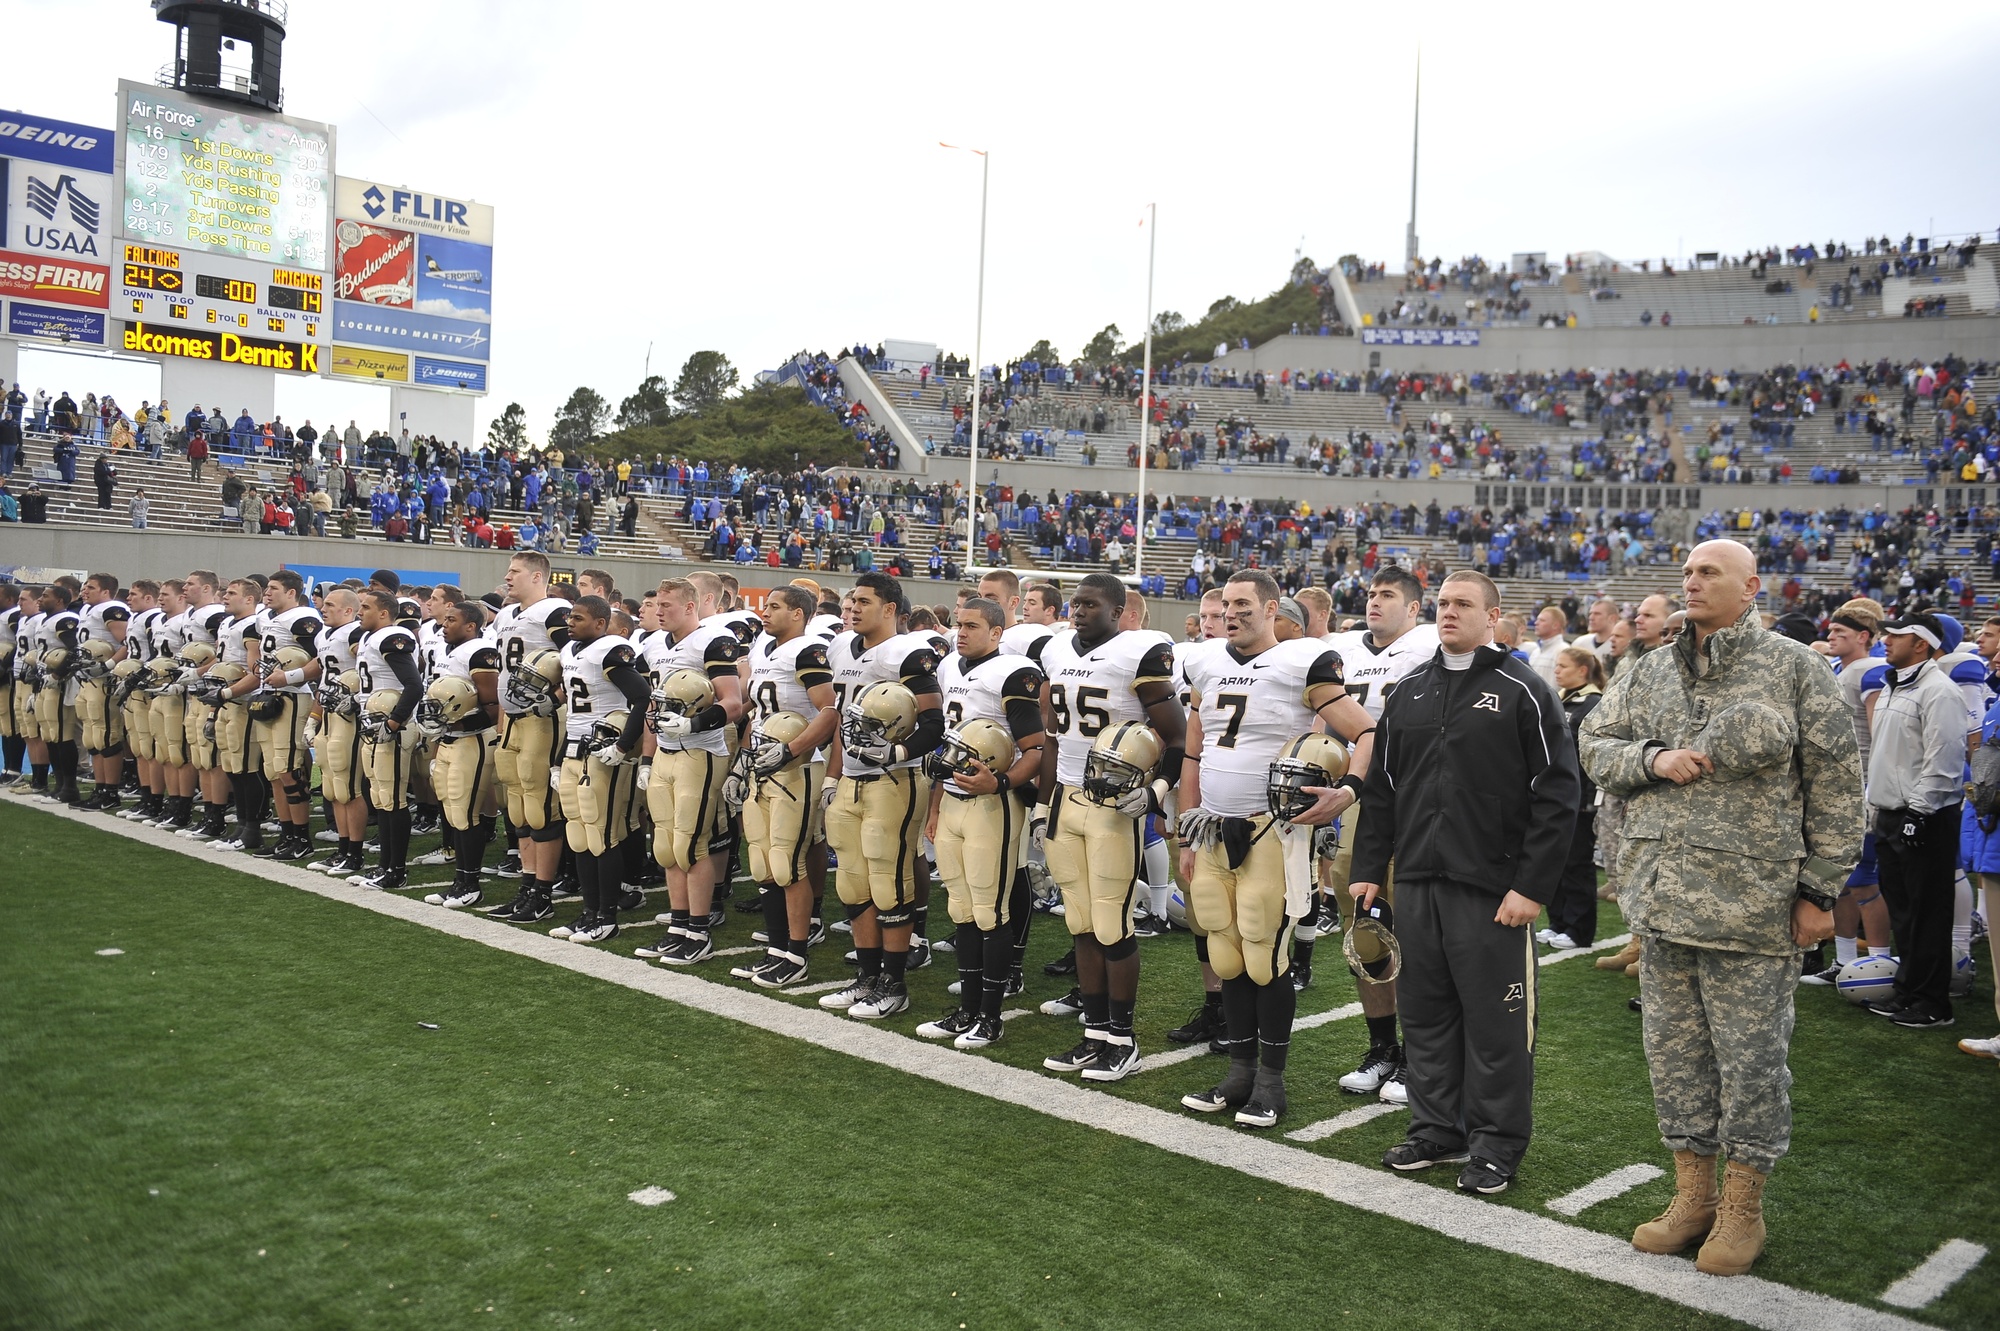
(1488, 702)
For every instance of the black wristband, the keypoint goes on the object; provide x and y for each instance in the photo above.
(711, 717)
(1006, 784)
(1350, 782)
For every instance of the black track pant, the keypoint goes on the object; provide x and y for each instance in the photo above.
(1917, 877)
(1573, 909)
(1466, 996)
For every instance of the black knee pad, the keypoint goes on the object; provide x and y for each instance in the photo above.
(856, 912)
(295, 789)
(1201, 948)
(1127, 946)
(541, 836)
(897, 918)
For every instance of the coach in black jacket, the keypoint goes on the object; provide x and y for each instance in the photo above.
(1473, 793)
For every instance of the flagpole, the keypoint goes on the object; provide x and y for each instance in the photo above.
(978, 334)
(1145, 399)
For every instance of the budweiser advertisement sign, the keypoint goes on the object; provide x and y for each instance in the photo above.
(374, 264)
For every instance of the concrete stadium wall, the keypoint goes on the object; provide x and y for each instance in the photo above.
(1742, 347)
(861, 387)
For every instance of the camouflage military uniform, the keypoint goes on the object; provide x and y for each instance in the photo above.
(1711, 868)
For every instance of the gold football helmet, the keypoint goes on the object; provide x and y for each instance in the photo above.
(982, 740)
(683, 693)
(1120, 761)
(57, 662)
(289, 657)
(196, 654)
(536, 685)
(228, 672)
(882, 713)
(340, 696)
(781, 728)
(375, 712)
(126, 671)
(446, 702)
(1312, 759)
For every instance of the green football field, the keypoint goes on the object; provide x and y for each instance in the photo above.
(236, 1120)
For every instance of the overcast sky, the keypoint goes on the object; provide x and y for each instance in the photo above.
(763, 179)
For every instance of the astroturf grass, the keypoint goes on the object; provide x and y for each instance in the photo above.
(249, 1078)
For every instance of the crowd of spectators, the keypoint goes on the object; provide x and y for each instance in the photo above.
(819, 374)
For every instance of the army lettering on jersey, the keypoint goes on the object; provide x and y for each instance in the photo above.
(98, 619)
(520, 632)
(587, 685)
(1089, 692)
(233, 638)
(142, 639)
(907, 658)
(1250, 708)
(372, 659)
(1000, 687)
(294, 628)
(713, 649)
(1373, 672)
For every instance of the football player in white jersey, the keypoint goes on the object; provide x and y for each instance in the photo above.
(876, 794)
(461, 711)
(238, 642)
(142, 646)
(391, 687)
(791, 690)
(1207, 1021)
(289, 658)
(166, 710)
(531, 621)
(1105, 688)
(101, 729)
(338, 738)
(690, 760)
(602, 746)
(60, 635)
(982, 786)
(1375, 660)
(1249, 865)
(206, 617)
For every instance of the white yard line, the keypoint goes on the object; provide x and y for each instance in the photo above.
(1616, 1183)
(823, 987)
(1353, 1118)
(1940, 1271)
(1756, 1302)
(1174, 1057)
(1608, 945)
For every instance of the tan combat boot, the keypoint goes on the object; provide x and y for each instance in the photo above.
(1691, 1213)
(1619, 960)
(1738, 1235)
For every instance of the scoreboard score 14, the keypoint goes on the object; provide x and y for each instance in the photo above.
(171, 286)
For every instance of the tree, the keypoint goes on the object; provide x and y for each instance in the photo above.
(1223, 306)
(1305, 272)
(509, 430)
(1104, 346)
(580, 420)
(705, 380)
(1168, 322)
(648, 406)
(1043, 353)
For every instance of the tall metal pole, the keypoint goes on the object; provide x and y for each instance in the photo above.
(1145, 398)
(1416, 117)
(978, 333)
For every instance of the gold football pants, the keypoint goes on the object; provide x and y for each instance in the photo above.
(462, 775)
(685, 799)
(1093, 852)
(530, 748)
(597, 803)
(876, 829)
(978, 850)
(781, 821)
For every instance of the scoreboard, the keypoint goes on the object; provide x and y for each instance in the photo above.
(194, 290)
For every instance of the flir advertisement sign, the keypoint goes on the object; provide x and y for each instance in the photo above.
(413, 272)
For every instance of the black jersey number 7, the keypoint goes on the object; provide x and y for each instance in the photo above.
(1236, 704)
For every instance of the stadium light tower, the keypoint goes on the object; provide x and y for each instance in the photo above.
(227, 49)
(978, 331)
(1416, 117)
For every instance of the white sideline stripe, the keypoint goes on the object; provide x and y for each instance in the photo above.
(1200, 1047)
(1566, 1247)
(1608, 945)
(1940, 1271)
(824, 987)
(1353, 1118)
(1618, 1181)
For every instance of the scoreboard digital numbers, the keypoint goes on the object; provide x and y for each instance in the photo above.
(186, 287)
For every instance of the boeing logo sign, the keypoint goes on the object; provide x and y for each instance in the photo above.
(409, 210)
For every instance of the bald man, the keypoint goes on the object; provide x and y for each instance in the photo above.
(1734, 748)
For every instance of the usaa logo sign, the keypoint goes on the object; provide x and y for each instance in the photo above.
(404, 203)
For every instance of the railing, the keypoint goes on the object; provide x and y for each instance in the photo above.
(277, 10)
(227, 83)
